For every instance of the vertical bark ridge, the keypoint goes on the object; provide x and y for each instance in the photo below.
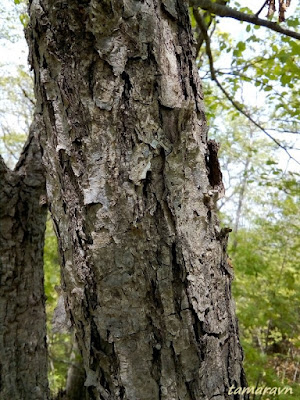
(144, 266)
(23, 361)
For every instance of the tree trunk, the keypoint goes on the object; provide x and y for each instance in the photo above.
(23, 353)
(132, 186)
(75, 389)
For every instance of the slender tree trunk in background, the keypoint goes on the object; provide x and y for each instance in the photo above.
(132, 188)
(75, 389)
(241, 199)
(23, 353)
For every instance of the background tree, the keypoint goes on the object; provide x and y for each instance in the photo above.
(23, 365)
(264, 250)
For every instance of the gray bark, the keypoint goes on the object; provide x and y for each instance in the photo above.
(132, 188)
(241, 199)
(75, 389)
(23, 354)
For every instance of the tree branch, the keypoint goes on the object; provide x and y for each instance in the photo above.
(224, 11)
(260, 10)
(285, 131)
(201, 25)
(26, 95)
(239, 108)
(205, 36)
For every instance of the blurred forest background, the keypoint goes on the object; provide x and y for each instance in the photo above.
(251, 85)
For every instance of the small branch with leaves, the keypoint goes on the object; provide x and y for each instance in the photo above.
(236, 105)
(225, 11)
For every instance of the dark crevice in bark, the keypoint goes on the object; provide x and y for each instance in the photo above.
(56, 229)
(93, 394)
(192, 390)
(209, 215)
(103, 361)
(199, 333)
(213, 165)
(177, 281)
(151, 60)
(127, 86)
(154, 293)
(194, 88)
(50, 110)
(156, 362)
(183, 77)
(146, 184)
(99, 348)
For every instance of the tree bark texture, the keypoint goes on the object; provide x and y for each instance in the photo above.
(132, 188)
(75, 389)
(23, 353)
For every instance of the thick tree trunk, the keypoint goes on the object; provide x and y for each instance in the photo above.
(23, 353)
(132, 185)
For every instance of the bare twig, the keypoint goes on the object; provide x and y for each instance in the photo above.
(211, 19)
(224, 11)
(285, 131)
(252, 79)
(27, 95)
(263, 6)
(203, 29)
(200, 39)
(236, 105)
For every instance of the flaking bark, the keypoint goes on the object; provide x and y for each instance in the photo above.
(23, 354)
(144, 265)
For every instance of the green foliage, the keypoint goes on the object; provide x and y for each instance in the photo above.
(59, 344)
(264, 248)
(16, 86)
(261, 203)
(256, 59)
(266, 290)
(16, 105)
(22, 11)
